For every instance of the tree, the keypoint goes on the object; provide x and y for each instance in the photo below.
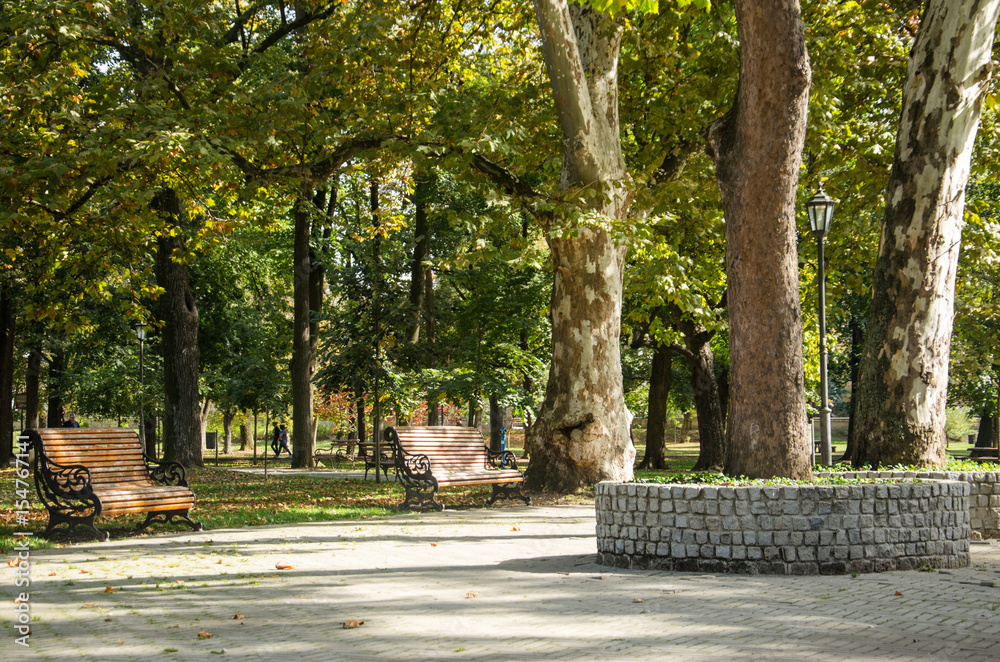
(757, 147)
(904, 370)
(582, 433)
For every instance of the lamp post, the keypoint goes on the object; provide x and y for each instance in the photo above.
(819, 208)
(140, 332)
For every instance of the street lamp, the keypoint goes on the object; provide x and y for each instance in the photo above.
(819, 208)
(140, 332)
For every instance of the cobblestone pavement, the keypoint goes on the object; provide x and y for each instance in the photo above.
(506, 584)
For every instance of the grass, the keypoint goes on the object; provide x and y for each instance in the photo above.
(228, 499)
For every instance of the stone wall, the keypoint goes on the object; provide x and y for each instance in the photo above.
(806, 529)
(984, 498)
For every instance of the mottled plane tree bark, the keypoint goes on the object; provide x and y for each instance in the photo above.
(582, 433)
(757, 147)
(903, 382)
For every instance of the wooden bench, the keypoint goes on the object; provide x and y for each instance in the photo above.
(338, 452)
(431, 457)
(82, 473)
(387, 457)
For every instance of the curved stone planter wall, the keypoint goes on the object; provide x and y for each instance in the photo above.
(809, 529)
(984, 497)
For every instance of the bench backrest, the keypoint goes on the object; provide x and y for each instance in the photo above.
(366, 449)
(449, 448)
(114, 456)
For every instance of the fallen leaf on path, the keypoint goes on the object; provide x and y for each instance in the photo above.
(13, 563)
(52, 574)
(434, 544)
(282, 566)
(84, 572)
(89, 605)
(898, 593)
(219, 562)
(638, 600)
(110, 589)
(120, 642)
(352, 624)
(205, 635)
(563, 573)
(516, 528)
(237, 617)
(470, 594)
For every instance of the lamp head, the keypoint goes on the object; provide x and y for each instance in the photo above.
(819, 209)
(140, 330)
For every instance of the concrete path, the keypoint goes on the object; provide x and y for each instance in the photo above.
(506, 584)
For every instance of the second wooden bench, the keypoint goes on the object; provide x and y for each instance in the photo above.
(429, 457)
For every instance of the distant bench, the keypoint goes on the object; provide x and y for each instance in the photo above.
(82, 473)
(430, 457)
(386, 459)
(340, 450)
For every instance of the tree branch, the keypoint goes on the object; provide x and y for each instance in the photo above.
(503, 177)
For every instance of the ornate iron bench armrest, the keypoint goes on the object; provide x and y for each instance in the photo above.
(500, 459)
(168, 473)
(71, 481)
(67, 481)
(413, 465)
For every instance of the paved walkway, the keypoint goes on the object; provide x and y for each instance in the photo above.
(506, 584)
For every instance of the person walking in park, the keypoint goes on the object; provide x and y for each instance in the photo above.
(275, 437)
(280, 441)
(71, 422)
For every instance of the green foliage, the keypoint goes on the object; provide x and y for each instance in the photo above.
(959, 423)
(616, 7)
(720, 479)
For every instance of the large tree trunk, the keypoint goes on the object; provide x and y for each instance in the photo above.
(317, 283)
(150, 435)
(904, 370)
(31, 382)
(708, 407)
(758, 151)
(8, 319)
(421, 251)
(582, 433)
(660, 381)
(182, 432)
(56, 405)
(496, 422)
(430, 331)
(857, 345)
(303, 358)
